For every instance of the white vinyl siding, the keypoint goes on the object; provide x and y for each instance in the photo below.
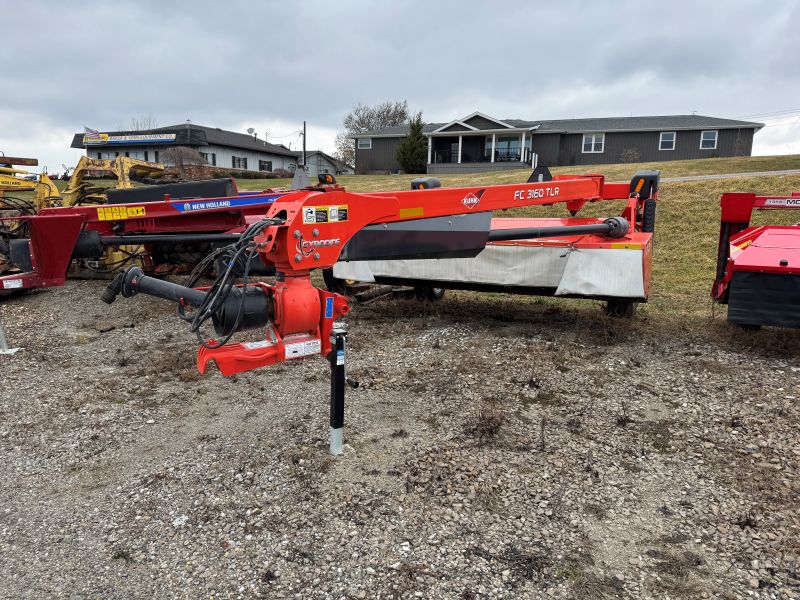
(593, 143)
(667, 140)
(365, 143)
(708, 140)
(221, 156)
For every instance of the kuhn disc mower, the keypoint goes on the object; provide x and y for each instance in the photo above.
(578, 265)
(758, 267)
(316, 228)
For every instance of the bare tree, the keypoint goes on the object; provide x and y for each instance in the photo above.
(182, 157)
(367, 118)
(143, 123)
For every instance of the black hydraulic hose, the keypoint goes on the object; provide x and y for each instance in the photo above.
(615, 227)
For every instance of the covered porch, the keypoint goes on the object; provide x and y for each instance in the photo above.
(484, 148)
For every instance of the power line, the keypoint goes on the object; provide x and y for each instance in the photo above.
(280, 137)
(775, 112)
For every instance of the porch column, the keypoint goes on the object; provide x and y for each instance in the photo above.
(494, 144)
(459, 149)
(522, 148)
(430, 147)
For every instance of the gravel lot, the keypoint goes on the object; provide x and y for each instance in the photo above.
(500, 448)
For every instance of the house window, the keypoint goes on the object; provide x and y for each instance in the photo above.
(593, 143)
(708, 140)
(146, 155)
(239, 162)
(204, 156)
(100, 155)
(365, 143)
(506, 148)
(213, 159)
(667, 140)
(156, 157)
(265, 165)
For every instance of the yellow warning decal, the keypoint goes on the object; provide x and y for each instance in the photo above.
(417, 211)
(116, 213)
(626, 246)
(325, 214)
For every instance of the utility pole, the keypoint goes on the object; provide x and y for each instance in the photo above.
(300, 179)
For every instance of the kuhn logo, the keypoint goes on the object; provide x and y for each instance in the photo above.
(470, 201)
(306, 247)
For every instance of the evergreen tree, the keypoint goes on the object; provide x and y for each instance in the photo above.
(412, 154)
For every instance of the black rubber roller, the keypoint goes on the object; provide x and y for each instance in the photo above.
(617, 227)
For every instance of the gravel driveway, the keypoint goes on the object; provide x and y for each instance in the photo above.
(499, 448)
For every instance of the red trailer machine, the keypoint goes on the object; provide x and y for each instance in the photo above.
(758, 267)
(159, 224)
(581, 265)
(316, 228)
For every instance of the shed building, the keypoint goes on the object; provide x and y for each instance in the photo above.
(218, 147)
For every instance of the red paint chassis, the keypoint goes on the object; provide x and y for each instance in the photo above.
(758, 267)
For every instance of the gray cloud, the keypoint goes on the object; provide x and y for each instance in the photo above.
(231, 63)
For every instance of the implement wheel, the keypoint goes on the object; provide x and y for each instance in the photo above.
(426, 292)
(649, 216)
(621, 308)
(337, 286)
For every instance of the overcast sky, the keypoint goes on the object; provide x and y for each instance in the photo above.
(270, 65)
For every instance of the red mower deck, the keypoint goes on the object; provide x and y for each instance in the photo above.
(758, 268)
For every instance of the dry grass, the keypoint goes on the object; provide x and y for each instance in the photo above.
(614, 172)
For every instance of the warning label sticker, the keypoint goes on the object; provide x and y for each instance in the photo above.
(300, 349)
(324, 214)
(117, 213)
(259, 344)
(11, 284)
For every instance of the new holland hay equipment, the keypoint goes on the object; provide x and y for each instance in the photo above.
(311, 229)
(758, 267)
(154, 225)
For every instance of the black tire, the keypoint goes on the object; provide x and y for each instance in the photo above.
(426, 292)
(649, 216)
(436, 294)
(337, 286)
(623, 309)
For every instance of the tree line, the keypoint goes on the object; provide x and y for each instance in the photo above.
(412, 153)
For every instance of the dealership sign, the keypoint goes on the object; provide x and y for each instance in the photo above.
(101, 139)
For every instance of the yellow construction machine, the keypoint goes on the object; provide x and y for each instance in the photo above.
(80, 191)
(20, 180)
